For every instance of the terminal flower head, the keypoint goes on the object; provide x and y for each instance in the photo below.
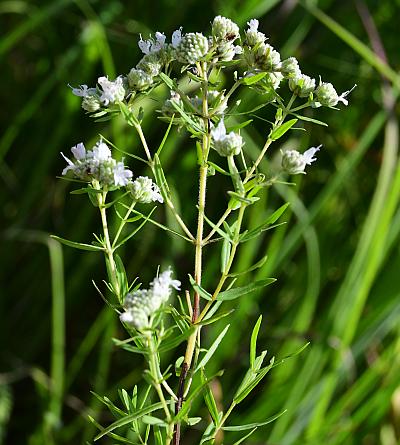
(294, 162)
(226, 144)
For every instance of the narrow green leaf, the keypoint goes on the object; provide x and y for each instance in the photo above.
(237, 292)
(211, 320)
(193, 420)
(212, 349)
(76, 245)
(253, 79)
(262, 227)
(282, 129)
(160, 178)
(168, 81)
(151, 420)
(218, 229)
(176, 340)
(197, 288)
(250, 426)
(209, 399)
(225, 254)
(128, 419)
(245, 437)
(255, 266)
(254, 382)
(310, 119)
(165, 137)
(253, 342)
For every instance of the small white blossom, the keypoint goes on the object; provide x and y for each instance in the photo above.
(253, 25)
(293, 162)
(83, 91)
(151, 45)
(101, 152)
(112, 91)
(176, 37)
(122, 175)
(144, 190)
(226, 144)
(142, 304)
(327, 96)
(79, 151)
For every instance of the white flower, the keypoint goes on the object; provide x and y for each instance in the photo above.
(151, 46)
(142, 304)
(112, 91)
(295, 163)
(122, 175)
(83, 91)
(177, 37)
(226, 144)
(101, 152)
(253, 25)
(144, 190)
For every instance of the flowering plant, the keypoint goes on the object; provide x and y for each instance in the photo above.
(201, 104)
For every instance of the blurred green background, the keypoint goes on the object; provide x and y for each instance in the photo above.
(337, 259)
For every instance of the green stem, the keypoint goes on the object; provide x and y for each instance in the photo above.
(109, 251)
(123, 222)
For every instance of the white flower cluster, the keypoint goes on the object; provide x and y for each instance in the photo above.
(108, 92)
(142, 304)
(97, 164)
(224, 34)
(226, 144)
(144, 190)
(294, 163)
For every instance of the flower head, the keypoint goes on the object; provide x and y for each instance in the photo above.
(293, 162)
(302, 85)
(142, 304)
(226, 144)
(111, 90)
(328, 97)
(144, 190)
(191, 48)
(253, 35)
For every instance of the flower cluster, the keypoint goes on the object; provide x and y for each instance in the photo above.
(143, 303)
(144, 190)
(226, 144)
(97, 165)
(294, 163)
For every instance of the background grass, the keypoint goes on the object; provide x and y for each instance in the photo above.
(337, 258)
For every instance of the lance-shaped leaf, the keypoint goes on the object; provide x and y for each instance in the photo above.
(212, 349)
(282, 129)
(253, 79)
(237, 292)
(76, 245)
(197, 288)
(250, 426)
(253, 342)
(209, 399)
(255, 266)
(265, 225)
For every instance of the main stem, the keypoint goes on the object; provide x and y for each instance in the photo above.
(198, 258)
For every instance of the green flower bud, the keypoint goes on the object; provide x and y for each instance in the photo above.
(192, 47)
(139, 80)
(302, 85)
(91, 103)
(224, 29)
(327, 95)
(151, 64)
(290, 68)
(253, 36)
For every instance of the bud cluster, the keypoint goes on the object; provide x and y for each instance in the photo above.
(144, 190)
(294, 162)
(97, 165)
(226, 144)
(141, 304)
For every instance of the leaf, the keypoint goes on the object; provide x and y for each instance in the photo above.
(76, 245)
(218, 229)
(253, 79)
(193, 420)
(225, 254)
(255, 266)
(250, 426)
(212, 349)
(211, 320)
(168, 81)
(282, 129)
(237, 292)
(310, 119)
(121, 275)
(197, 288)
(253, 342)
(151, 420)
(128, 419)
(176, 340)
(253, 383)
(160, 178)
(209, 399)
(245, 437)
(136, 230)
(264, 226)
(164, 138)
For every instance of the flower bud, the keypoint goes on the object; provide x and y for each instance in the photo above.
(224, 29)
(226, 144)
(290, 68)
(253, 36)
(328, 97)
(192, 47)
(139, 80)
(144, 190)
(151, 64)
(302, 85)
(91, 103)
(295, 163)
(264, 57)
